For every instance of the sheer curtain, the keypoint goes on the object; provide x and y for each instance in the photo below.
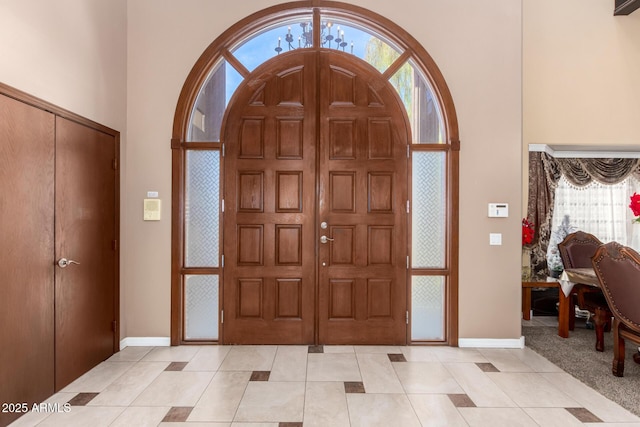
(600, 209)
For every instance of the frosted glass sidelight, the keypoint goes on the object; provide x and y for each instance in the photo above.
(427, 308)
(201, 307)
(201, 208)
(428, 237)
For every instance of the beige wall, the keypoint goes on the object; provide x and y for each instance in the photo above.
(580, 64)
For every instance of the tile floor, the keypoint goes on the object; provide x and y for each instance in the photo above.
(327, 386)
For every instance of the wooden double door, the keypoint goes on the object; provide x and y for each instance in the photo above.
(58, 189)
(315, 205)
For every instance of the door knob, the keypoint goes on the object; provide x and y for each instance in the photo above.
(325, 239)
(63, 262)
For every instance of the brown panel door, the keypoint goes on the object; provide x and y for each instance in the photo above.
(276, 152)
(363, 195)
(85, 233)
(269, 195)
(27, 163)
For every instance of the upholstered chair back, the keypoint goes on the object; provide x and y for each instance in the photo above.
(577, 249)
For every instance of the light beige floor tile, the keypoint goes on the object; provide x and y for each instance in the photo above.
(272, 402)
(208, 358)
(613, 424)
(251, 425)
(426, 377)
(325, 405)
(130, 354)
(249, 358)
(99, 378)
(290, 364)
(535, 361)
(504, 360)
(183, 353)
(381, 410)
(379, 349)
(497, 417)
(141, 416)
(553, 417)
(195, 425)
(174, 389)
(531, 390)
(478, 386)
(83, 416)
(220, 400)
(378, 374)
(588, 398)
(129, 385)
(456, 354)
(436, 410)
(339, 349)
(419, 354)
(333, 367)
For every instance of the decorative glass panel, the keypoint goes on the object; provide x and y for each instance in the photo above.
(421, 104)
(201, 307)
(427, 308)
(429, 209)
(201, 208)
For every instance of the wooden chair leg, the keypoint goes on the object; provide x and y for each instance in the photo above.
(600, 319)
(618, 352)
(636, 357)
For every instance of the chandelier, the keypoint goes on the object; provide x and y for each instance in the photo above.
(305, 39)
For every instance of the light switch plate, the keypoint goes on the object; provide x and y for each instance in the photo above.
(495, 239)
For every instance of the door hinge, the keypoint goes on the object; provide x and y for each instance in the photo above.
(114, 325)
(407, 317)
(408, 263)
(115, 164)
(221, 316)
(114, 245)
(408, 206)
(408, 151)
(222, 150)
(222, 205)
(222, 260)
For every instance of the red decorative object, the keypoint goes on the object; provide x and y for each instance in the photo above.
(528, 230)
(635, 206)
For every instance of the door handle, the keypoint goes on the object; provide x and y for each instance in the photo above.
(325, 239)
(63, 262)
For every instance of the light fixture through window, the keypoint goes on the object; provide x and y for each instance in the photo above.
(305, 39)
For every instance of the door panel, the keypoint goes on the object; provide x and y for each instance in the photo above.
(363, 192)
(290, 127)
(86, 230)
(269, 270)
(27, 163)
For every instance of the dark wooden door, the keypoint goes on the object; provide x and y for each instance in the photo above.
(312, 137)
(362, 202)
(27, 167)
(85, 232)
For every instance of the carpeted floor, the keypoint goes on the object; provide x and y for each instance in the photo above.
(577, 356)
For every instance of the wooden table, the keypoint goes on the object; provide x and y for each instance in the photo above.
(583, 276)
(526, 295)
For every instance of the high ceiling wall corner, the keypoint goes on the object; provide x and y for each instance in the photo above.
(625, 7)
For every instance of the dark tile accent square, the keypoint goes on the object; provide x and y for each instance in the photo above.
(316, 349)
(487, 367)
(289, 424)
(584, 415)
(353, 387)
(260, 376)
(396, 357)
(81, 399)
(461, 401)
(177, 414)
(176, 366)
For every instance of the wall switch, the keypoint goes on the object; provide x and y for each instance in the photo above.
(152, 194)
(495, 239)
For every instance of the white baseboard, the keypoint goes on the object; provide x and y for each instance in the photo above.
(145, 342)
(491, 343)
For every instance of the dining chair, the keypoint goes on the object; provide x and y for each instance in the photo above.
(618, 270)
(576, 251)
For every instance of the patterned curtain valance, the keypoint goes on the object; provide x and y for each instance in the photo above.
(581, 172)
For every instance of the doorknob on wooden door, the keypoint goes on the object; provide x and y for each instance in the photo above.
(63, 262)
(325, 239)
